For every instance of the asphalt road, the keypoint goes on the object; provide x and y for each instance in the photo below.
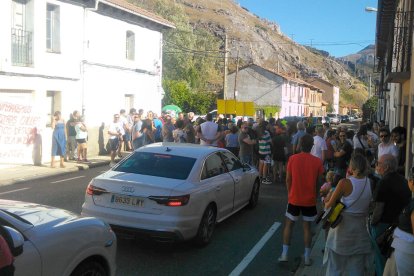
(247, 243)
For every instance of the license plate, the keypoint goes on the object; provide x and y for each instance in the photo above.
(127, 200)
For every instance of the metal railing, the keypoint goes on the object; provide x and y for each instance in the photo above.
(403, 31)
(22, 45)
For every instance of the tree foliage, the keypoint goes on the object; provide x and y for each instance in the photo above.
(180, 94)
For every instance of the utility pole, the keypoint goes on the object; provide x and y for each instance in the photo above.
(235, 77)
(225, 68)
(369, 91)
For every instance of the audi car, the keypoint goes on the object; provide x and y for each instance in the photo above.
(172, 192)
(57, 242)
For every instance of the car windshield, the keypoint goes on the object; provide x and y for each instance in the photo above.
(157, 164)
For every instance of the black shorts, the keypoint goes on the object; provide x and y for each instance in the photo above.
(114, 144)
(81, 141)
(263, 157)
(293, 212)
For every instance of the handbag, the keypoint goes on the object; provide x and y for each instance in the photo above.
(384, 241)
(332, 217)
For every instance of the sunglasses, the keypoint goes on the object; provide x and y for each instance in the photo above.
(342, 136)
(383, 136)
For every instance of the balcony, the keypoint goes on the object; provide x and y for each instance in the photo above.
(22, 45)
(399, 69)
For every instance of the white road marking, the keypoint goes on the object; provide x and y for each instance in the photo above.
(250, 256)
(12, 191)
(67, 179)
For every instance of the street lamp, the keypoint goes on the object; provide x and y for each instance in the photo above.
(371, 9)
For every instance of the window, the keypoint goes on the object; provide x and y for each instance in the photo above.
(130, 45)
(53, 28)
(212, 167)
(231, 161)
(156, 164)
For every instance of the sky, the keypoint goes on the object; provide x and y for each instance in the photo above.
(341, 27)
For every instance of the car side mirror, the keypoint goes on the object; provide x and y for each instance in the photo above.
(16, 240)
(246, 167)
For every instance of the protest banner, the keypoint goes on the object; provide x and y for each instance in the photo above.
(19, 122)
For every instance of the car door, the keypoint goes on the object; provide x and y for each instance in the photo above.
(215, 177)
(243, 185)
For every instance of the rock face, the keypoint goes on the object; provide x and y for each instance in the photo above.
(261, 41)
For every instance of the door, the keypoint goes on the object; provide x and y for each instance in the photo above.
(214, 175)
(242, 185)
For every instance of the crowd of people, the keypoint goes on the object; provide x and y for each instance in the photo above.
(364, 170)
(69, 139)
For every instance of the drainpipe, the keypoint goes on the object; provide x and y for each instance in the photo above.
(84, 44)
(409, 110)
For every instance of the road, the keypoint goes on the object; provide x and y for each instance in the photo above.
(248, 243)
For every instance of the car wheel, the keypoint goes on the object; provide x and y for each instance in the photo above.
(254, 196)
(207, 225)
(90, 268)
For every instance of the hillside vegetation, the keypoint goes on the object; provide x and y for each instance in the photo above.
(194, 51)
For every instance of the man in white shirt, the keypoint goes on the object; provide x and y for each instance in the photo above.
(386, 146)
(115, 131)
(209, 132)
(319, 144)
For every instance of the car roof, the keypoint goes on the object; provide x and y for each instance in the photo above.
(180, 149)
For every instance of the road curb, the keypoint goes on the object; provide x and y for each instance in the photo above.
(49, 174)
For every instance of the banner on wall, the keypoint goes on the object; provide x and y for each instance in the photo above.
(19, 124)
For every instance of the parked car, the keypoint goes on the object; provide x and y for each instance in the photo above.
(170, 192)
(345, 119)
(58, 242)
(333, 118)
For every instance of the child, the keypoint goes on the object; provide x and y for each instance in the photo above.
(327, 186)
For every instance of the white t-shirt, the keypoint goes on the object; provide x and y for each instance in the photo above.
(389, 148)
(357, 143)
(319, 145)
(80, 134)
(209, 131)
(116, 127)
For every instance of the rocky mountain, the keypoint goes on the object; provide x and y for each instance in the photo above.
(260, 41)
(361, 64)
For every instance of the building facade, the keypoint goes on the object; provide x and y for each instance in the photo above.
(94, 56)
(266, 88)
(394, 52)
(331, 92)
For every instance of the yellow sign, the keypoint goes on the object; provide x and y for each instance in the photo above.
(235, 107)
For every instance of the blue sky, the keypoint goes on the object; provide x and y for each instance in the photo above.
(340, 27)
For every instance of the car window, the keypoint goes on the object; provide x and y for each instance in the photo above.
(232, 163)
(213, 166)
(156, 164)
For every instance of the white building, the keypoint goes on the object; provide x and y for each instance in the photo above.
(95, 56)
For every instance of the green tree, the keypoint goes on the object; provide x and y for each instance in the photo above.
(180, 94)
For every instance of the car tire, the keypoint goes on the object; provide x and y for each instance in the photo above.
(89, 268)
(206, 227)
(254, 196)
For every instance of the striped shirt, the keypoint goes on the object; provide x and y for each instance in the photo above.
(264, 144)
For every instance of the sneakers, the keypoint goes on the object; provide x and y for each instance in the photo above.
(111, 164)
(266, 181)
(283, 258)
(308, 261)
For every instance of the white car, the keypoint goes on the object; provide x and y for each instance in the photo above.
(172, 191)
(58, 242)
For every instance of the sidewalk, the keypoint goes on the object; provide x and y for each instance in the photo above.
(12, 174)
(317, 268)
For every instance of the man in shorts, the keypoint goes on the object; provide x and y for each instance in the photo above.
(304, 171)
(115, 131)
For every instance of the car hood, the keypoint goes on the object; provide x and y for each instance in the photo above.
(36, 214)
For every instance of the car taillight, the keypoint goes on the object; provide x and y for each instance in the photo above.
(172, 201)
(93, 190)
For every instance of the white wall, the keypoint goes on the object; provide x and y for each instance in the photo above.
(91, 71)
